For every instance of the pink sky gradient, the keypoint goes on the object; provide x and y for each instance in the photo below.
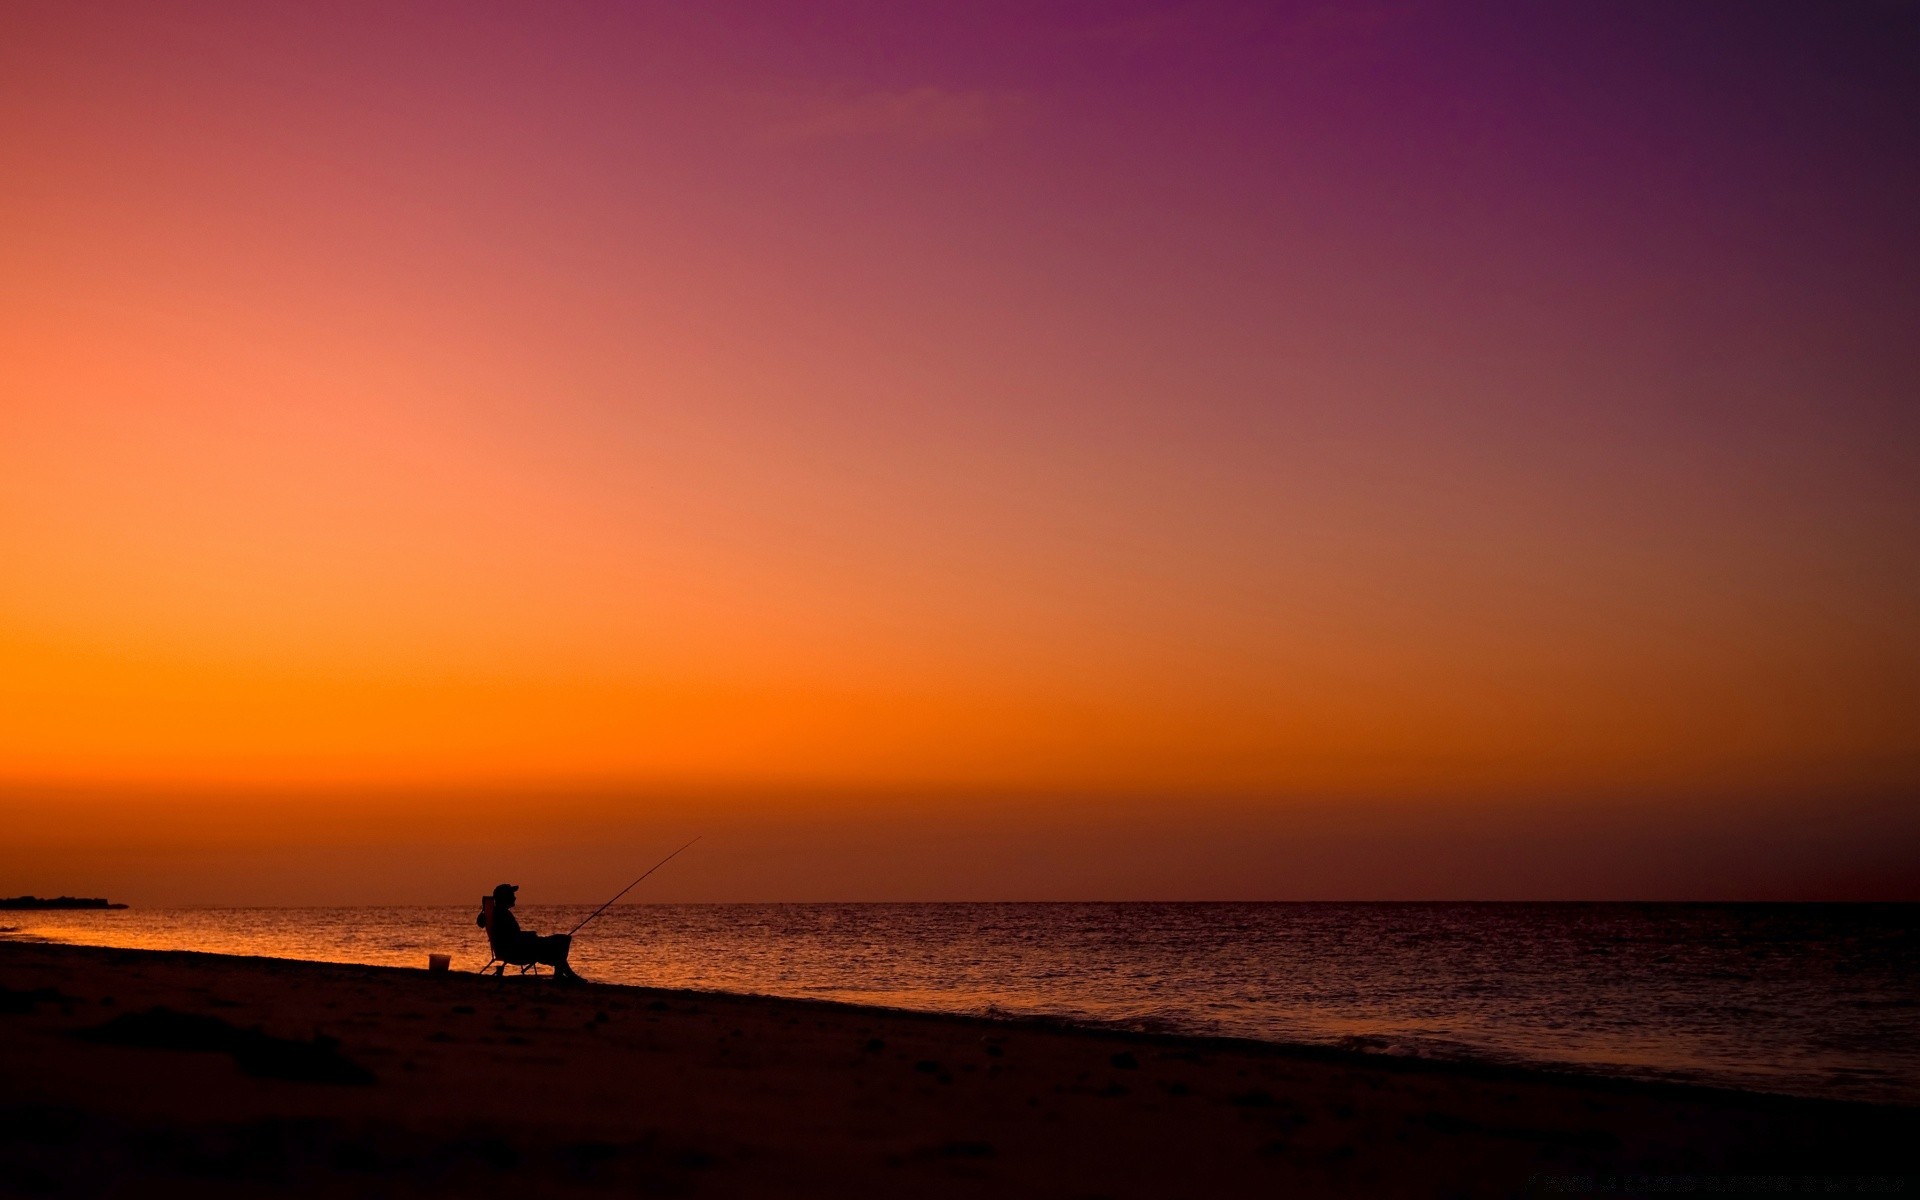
(1239, 412)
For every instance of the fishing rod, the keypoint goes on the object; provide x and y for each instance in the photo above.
(623, 891)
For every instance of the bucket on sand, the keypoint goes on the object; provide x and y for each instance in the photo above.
(438, 962)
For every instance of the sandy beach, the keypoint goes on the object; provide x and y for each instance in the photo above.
(144, 1072)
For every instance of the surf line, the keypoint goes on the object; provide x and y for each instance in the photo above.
(623, 891)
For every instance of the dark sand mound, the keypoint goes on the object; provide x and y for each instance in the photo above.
(256, 1052)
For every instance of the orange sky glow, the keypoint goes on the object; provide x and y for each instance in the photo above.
(1047, 436)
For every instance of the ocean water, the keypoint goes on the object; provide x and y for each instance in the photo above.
(1811, 999)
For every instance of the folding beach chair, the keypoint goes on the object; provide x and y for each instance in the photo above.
(504, 954)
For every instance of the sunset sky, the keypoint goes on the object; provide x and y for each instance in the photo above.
(998, 450)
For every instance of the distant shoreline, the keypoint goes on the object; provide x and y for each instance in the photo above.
(35, 903)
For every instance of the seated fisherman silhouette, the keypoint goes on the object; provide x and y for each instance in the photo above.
(517, 947)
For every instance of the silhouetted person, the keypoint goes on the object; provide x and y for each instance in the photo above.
(519, 947)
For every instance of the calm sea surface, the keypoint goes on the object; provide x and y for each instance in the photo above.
(1813, 999)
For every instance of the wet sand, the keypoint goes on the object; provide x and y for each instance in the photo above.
(152, 1073)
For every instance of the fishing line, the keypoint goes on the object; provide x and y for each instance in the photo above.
(623, 891)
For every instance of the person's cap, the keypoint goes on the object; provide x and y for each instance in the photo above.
(506, 888)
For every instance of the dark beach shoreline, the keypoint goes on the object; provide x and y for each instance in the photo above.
(524, 1083)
